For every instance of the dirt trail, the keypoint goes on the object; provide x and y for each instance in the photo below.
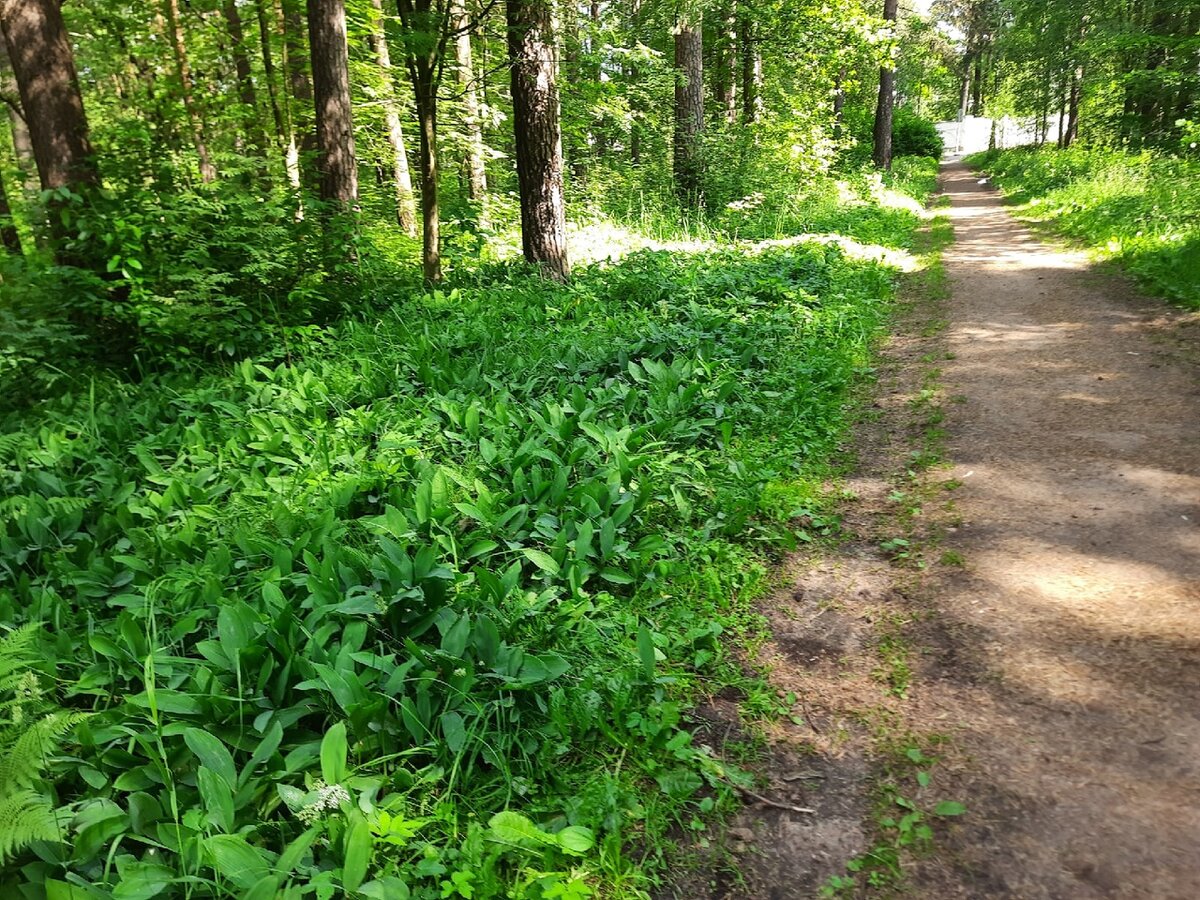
(1077, 616)
(1053, 632)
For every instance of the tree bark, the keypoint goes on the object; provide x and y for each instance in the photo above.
(476, 169)
(331, 95)
(689, 109)
(9, 238)
(752, 71)
(725, 77)
(885, 105)
(538, 135)
(280, 111)
(406, 207)
(1072, 132)
(839, 102)
(427, 27)
(44, 68)
(977, 86)
(425, 94)
(299, 87)
(255, 134)
(208, 172)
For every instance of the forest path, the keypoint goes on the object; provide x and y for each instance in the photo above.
(1074, 625)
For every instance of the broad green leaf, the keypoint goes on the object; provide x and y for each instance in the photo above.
(217, 797)
(294, 852)
(542, 560)
(645, 646)
(357, 854)
(949, 808)
(387, 888)
(510, 827)
(576, 840)
(454, 731)
(211, 753)
(334, 752)
(234, 859)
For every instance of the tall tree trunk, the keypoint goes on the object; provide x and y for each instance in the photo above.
(977, 86)
(331, 95)
(280, 110)
(752, 71)
(725, 64)
(964, 93)
(255, 134)
(635, 104)
(9, 239)
(885, 105)
(1072, 132)
(299, 86)
(427, 29)
(208, 172)
(476, 169)
(839, 102)
(538, 135)
(44, 68)
(689, 109)
(22, 144)
(425, 93)
(406, 207)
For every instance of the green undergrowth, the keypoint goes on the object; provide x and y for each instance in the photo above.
(417, 606)
(1142, 210)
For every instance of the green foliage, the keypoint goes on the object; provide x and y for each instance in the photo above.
(29, 735)
(1141, 210)
(914, 136)
(466, 560)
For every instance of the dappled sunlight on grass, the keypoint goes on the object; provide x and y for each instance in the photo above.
(1142, 210)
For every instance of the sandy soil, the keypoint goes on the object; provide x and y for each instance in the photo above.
(1061, 659)
(1079, 447)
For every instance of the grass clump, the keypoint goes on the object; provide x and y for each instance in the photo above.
(1139, 209)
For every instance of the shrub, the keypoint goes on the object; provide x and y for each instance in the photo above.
(914, 136)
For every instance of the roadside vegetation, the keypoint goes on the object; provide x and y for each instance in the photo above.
(1141, 210)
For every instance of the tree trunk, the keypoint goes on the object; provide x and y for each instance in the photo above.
(427, 29)
(9, 239)
(406, 207)
(538, 135)
(208, 172)
(977, 86)
(725, 76)
(1072, 131)
(299, 86)
(22, 145)
(839, 102)
(885, 105)
(752, 71)
(280, 111)
(425, 91)
(965, 88)
(689, 109)
(49, 87)
(331, 95)
(476, 169)
(255, 133)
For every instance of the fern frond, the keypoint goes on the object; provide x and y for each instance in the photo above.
(16, 648)
(30, 752)
(25, 817)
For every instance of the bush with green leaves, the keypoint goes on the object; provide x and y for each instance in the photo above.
(915, 136)
(1140, 209)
